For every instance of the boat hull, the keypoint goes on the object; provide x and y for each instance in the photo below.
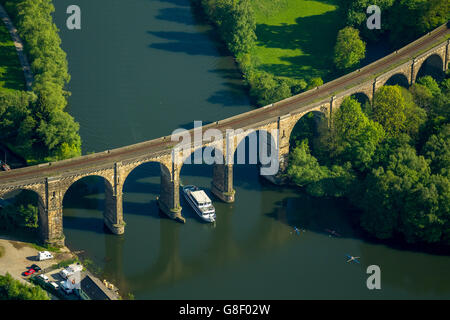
(207, 218)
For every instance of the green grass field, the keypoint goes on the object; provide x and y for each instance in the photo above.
(11, 74)
(296, 38)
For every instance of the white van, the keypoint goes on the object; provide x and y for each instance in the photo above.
(44, 255)
(43, 277)
(54, 285)
(70, 270)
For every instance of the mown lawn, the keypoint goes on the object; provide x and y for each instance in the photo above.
(11, 74)
(296, 38)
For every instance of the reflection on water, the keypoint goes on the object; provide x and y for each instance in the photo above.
(138, 73)
(251, 252)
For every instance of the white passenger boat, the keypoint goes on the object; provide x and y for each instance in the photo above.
(200, 202)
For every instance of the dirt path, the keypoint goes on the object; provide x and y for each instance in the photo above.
(19, 47)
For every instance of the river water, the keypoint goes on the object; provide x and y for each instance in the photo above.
(139, 71)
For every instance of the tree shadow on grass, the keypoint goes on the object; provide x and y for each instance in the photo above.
(314, 35)
(11, 74)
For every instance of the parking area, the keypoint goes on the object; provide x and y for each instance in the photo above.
(18, 256)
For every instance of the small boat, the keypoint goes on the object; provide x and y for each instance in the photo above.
(352, 258)
(200, 202)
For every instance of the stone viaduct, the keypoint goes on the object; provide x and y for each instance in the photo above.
(51, 180)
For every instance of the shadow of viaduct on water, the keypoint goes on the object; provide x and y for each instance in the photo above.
(204, 42)
(170, 266)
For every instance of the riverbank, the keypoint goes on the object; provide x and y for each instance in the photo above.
(275, 44)
(36, 136)
(16, 256)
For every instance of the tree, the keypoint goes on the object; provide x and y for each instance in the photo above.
(430, 84)
(236, 22)
(357, 16)
(415, 116)
(426, 211)
(12, 289)
(314, 82)
(437, 151)
(266, 89)
(395, 110)
(35, 124)
(353, 136)
(21, 213)
(349, 49)
(408, 19)
(305, 171)
(390, 188)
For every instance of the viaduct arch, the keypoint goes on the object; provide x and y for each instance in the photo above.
(51, 180)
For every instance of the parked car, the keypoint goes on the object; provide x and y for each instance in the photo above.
(43, 277)
(35, 267)
(44, 255)
(29, 272)
(54, 285)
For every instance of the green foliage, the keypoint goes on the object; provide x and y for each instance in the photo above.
(437, 151)
(11, 73)
(45, 247)
(237, 25)
(430, 84)
(266, 90)
(314, 83)
(402, 20)
(436, 102)
(64, 263)
(235, 20)
(305, 171)
(353, 137)
(21, 213)
(375, 164)
(291, 34)
(357, 17)
(349, 49)
(396, 111)
(11, 289)
(409, 19)
(388, 188)
(34, 124)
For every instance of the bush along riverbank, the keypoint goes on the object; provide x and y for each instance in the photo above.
(33, 123)
(285, 47)
(236, 25)
(391, 159)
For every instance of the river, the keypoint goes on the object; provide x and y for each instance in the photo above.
(141, 69)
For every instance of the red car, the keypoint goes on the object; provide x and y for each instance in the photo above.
(29, 272)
